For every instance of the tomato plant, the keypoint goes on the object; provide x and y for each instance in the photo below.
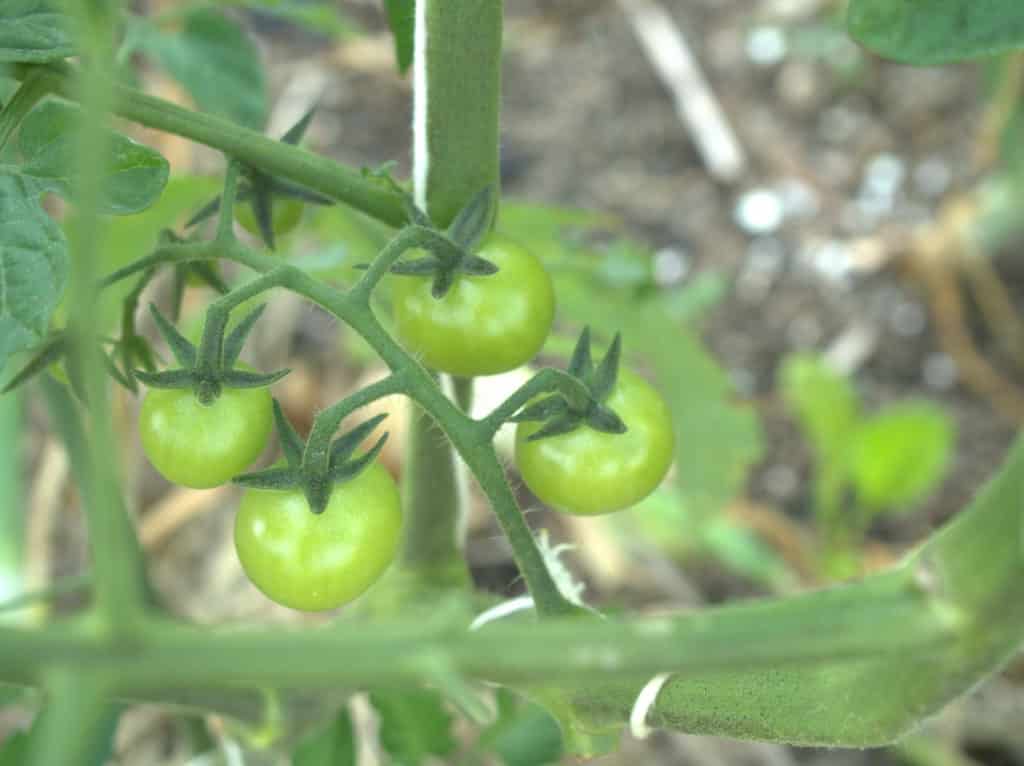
(319, 528)
(484, 324)
(204, 445)
(319, 561)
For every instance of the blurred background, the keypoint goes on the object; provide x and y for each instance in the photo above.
(814, 254)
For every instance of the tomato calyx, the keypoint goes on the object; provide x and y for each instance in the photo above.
(317, 466)
(212, 368)
(260, 190)
(452, 251)
(564, 412)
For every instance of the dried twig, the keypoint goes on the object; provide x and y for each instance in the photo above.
(675, 64)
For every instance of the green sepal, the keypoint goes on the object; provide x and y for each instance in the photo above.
(294, 134)
(443, 281)
(580, 364)
(349, 470)
(212, 207)
(301, 193)
(474, 220)
(48, 353)
(182, 348)
(602, 419)
(291, 442)
(347, 443)
(207, 272)
(476, 266)
(270, 478)
(420, 267)
(262, 205)
(259, 190)
(134, 350)
(166, 378)
(236, 339)
(562, 416)
(246, 379)
(560, 424)
(126, 381)
(548, 407)
(603, 379)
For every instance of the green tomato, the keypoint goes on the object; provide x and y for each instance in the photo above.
(204, 445)
(314, 561)
(589, 472)
(484, 324)
(286, 215)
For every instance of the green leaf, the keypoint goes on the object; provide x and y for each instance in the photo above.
(937, 31)
(33, 267)
(217, 63)
(414, 725)
(824, 403)
(524, 735)
(901, 454)
(31, 31)
(402, 20)
(333, 745)
(134, 178)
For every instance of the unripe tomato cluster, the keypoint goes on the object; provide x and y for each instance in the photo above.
(482, 325)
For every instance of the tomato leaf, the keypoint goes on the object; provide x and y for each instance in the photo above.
(413, 725)
(899, 455)
(333, 745)
(217, 63)
(402, 20)
(33, 267)
(823, 401)
(135, 175)
(31, 31)
(937, 31)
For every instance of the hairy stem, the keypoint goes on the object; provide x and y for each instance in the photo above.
(315, 172)
(119, 588)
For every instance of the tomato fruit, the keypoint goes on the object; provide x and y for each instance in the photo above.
(286, 215)
(589, 472)
(483, 325)
(204, 445)
(313, 561)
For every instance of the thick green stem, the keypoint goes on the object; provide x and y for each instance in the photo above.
(456, 121)
(77, 723)
(119, 589)
(431, 548)
(457, 74)
(885, 617)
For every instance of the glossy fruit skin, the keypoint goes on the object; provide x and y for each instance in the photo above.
(204, 445)
(287, 214)
(588, 472)
(484, 324)
(315, 562)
